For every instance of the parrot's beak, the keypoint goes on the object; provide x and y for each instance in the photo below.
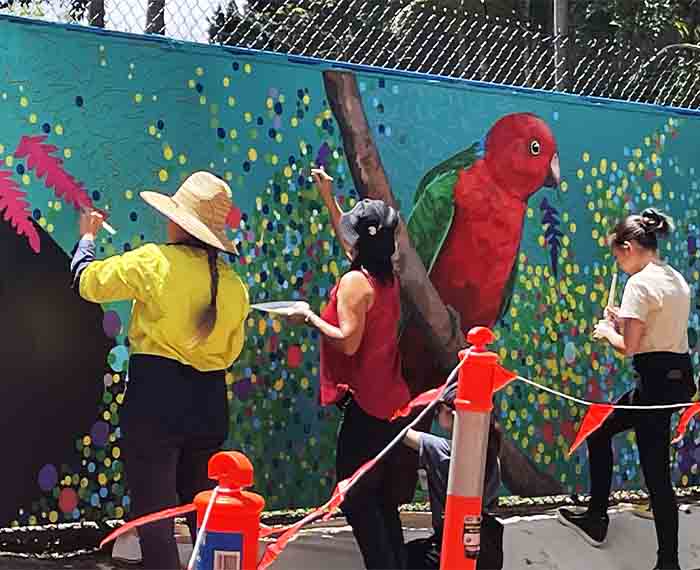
(554, 176)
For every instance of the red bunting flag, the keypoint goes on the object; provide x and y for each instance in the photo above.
(594, 418)
(424, 399)
(688, 415)
(153, 517)
(502, 377)
(338, 496)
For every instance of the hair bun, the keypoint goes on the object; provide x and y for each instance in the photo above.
(655, 222)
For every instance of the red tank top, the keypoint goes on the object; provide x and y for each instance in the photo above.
(373, 373)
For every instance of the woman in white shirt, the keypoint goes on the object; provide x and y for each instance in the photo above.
(651, 327)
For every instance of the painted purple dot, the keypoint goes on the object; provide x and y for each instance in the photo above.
(111, 323)
(99, 433)
(243, 388)
(323, 155)
(48, 477)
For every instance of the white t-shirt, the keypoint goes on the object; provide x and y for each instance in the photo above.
(659, 297)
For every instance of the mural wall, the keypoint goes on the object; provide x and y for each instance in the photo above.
(92, 119)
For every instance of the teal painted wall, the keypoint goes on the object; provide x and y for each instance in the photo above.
(125, 114)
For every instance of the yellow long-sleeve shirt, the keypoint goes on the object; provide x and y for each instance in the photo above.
(170, 288)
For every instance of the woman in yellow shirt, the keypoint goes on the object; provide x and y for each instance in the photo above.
(186, 329)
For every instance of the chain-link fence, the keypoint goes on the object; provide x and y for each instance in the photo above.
(413, 35)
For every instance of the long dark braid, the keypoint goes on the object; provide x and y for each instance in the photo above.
(207, 320)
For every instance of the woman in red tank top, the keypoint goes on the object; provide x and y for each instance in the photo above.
(361, 370)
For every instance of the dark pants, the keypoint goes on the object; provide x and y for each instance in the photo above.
(424, 553)
(368, 506)
(663, 379)
(174, 419)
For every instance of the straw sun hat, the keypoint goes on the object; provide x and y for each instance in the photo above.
(200, 207)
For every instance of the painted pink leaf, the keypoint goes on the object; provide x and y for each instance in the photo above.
(39, 159)
(16, 210)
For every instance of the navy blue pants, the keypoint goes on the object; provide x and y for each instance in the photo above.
(174, 419)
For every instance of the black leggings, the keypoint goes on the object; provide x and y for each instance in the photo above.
(174, 419)
(664, 378)
(368, 507)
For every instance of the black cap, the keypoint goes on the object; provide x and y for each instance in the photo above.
(366, 219)
(449, 395)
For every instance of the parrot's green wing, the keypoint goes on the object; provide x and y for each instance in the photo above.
(433, 210)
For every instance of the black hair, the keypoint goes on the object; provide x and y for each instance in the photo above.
(373, 253)
(642, 228)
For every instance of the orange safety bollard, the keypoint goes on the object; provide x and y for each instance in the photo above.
(473, 405)
(233, 528)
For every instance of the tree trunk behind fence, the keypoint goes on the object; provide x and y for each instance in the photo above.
(155, 17)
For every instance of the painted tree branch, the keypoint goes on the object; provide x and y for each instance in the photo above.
(441, 324)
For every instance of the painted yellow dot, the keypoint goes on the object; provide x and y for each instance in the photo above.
(269, 103)
(58, 129)
(199, 72)
(231, 101)
(168, 152)
(24, 102)
(228, 175)
(287, 171)
(252, 154)
(656, 190)
(248, 68)
(585, 157)
(152, 130)
(53, 516)
(25, 179)
(138, 98)
(33, 118)
(102, 479)
(67, 152)
(86, 440)
(247, 117)
(306, 99)
(580, 174)
(226, 81)
(631, 166)
(294, 122)
(202, 100)
(182, 159)
(279, 138)
(233, 134)
(57, 206)
(129, 194)
(9, 160)
(284, 198)
(116, 452)
(564, 186)
(304, 383)
(191, 83)
(163, 175)
(274, 159)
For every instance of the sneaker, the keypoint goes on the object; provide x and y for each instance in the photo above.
(592, 528)
(667, 566)
(127, 548)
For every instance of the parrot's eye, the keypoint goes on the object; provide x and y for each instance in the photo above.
(535, 148)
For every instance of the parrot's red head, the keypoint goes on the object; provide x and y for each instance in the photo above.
(521, 155)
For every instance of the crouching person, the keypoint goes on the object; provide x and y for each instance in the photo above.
(434, 456)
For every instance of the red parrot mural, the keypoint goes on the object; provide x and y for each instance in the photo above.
(466, 226)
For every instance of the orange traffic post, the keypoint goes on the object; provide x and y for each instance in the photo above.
(473, 405)
(228, 518)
